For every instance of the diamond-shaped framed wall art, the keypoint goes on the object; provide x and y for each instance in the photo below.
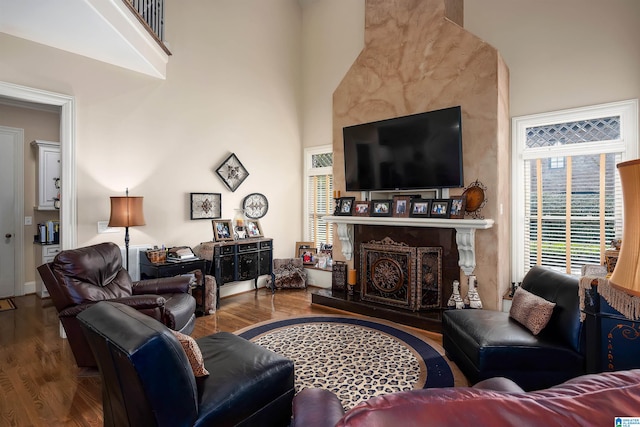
(232, 172)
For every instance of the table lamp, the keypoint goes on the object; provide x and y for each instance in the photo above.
(126, 212)
(626, 275)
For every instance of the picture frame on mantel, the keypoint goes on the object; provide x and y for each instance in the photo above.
(345, 206)
(381, 207)
(362, 208)
(457, 207)
(401, 206)
(440, 208)
(420, 208)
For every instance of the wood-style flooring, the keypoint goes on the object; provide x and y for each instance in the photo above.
(40, 384)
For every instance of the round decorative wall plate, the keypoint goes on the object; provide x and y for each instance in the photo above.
(255, 205)
(475, 198)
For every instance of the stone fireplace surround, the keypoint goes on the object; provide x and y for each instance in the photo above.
(418, 57)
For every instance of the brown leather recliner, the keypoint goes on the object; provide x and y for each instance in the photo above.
(78, 278)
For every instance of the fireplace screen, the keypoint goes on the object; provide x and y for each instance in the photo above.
(388, 269)
(399, 275)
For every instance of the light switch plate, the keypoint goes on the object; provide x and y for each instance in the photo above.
(103, 227)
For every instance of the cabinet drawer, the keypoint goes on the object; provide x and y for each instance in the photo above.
(246, 247)
(226, 250)
(50, 251)
(265, 245)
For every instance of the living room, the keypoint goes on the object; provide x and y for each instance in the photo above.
(257, 78)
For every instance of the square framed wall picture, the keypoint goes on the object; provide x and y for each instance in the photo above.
(205, 205)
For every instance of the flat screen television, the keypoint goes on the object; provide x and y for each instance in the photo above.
(420, 151)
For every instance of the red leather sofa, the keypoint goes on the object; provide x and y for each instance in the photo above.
(588, 400)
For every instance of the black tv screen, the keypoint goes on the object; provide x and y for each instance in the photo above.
(420, 151)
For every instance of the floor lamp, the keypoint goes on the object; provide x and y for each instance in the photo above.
(126, 212)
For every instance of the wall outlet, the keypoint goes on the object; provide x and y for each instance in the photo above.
(103, 227)
(28, 220)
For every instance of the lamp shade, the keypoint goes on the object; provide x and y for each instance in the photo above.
(626, 275)
(126, 212)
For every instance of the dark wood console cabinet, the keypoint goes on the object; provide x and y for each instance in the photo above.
(241, 260)
(150, 270)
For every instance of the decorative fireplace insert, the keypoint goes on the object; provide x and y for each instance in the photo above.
(399, 275)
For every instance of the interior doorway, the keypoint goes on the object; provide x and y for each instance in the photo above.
(68, 208)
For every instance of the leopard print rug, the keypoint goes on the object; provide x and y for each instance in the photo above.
(354, 358)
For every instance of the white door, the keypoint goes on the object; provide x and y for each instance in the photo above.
(7, 213)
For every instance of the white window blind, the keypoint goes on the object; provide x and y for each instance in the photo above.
(319, 193)
(567, 194)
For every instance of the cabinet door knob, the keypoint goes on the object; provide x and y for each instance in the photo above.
(8, 235)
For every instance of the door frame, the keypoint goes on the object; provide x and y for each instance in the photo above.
(68, 190)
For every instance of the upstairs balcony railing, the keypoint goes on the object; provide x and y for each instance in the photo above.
(151, 14)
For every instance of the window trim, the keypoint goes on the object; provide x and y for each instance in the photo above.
(309, 170)
(627, 144)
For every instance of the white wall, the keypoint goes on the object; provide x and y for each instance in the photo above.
(233, 85)
(565, 53)
(333, 36)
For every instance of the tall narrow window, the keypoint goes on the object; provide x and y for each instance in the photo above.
(567, 195)
(318, 194)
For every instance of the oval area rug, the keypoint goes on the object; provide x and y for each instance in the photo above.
(353, 357)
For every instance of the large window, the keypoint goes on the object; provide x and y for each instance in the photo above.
(566, 189)
(318, 194)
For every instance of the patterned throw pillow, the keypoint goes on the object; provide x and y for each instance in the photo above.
(193, 353)
(530, 310)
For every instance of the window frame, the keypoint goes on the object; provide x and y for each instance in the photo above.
(310, 171)
(627, 145)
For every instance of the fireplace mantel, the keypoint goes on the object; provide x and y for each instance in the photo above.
(465, 233)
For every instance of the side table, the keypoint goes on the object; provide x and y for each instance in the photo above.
(150, 270)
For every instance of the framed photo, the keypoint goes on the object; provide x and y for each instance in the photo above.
(308, 255)
(361, 208)
(381, 207)
(206, 205)
(457, 208)
(222, 230)
(440, 208)
(401, 206)
(345, 206)
(232, 172)
(253, 228)
(303, 245)
(420, 208)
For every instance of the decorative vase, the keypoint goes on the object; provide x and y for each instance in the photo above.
(455, 300)
(239, 224)
(473, 298)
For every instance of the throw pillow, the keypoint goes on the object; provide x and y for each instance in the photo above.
(530, 310)
(193, 353)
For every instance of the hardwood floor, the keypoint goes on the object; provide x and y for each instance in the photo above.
(40, 384)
